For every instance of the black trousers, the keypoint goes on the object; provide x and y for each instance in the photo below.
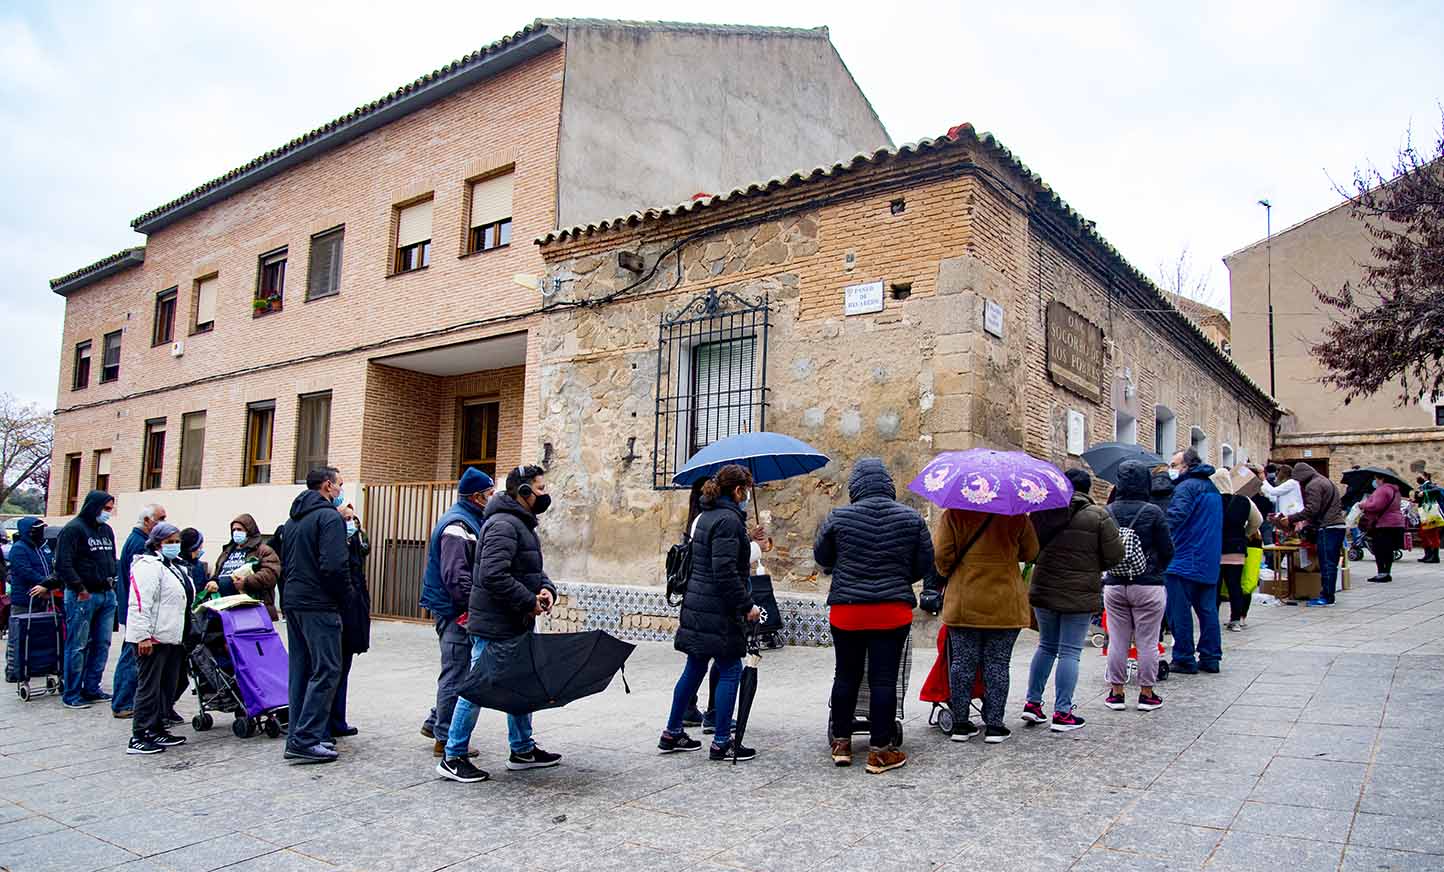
(879, 653)
(1385, 541)
(314, 649)
(1238, 601)
(158, 673)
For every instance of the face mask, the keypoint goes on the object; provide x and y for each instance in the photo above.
(350, 529)
(339, 499)
(103, 517)
(239, 537)
(1174, 473)
(37, 535)
(170, 550)
(201, 553)
(541, 502)
(1273, 479)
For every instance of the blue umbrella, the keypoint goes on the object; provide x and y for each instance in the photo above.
(769, 456)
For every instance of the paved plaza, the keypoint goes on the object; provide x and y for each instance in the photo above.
(1314, 749)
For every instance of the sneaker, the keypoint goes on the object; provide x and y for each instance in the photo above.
(166, 740)
(75, 705)
(1318, 601)
(964, 730)
(173, 719)
(536, 758)
(1382, 579)
(1116, 702)
(143, 745)
(329, 743)
(317, 753)
(1210, 668)
(346, 733)
(692, 718)
(880, 760)
(123, 714)
(102, 696)
(842, 752)
(439, 750)
(996, 735)
(1147, 702)
(731, 751)
(1243, 624)
(670, 744)
(1067, 722)
(1183, 668)
(1234, 627)
(460, 769)
(1033, 713)
(427, 731)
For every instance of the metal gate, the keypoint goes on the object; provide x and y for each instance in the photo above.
(399, 519)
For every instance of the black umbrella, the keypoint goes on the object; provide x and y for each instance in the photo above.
(746, 688)
(536, 671)
(1105, 458)
(1368, 472)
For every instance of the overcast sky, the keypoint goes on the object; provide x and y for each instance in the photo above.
(1164, 125)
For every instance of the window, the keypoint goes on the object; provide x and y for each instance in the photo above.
(72, 483)
(479, 422)
(1225, 456)
(1439, 416)
(110, 357)
(203, 319)
(1125, 428)
(153, 467)
(1199, 440)
(102, 470)
(260, 421)
(81, 376)
(324, 277)
(192, 449)
(721, 406)
(270, 283)
(162, 329)
(490, 213)
(313, 433)
(413, 237)
(1165, 432)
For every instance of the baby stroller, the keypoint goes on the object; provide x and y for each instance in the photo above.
(239, 667)
(861, 718)
(936, 689)
(39, 639)
(1133, 653)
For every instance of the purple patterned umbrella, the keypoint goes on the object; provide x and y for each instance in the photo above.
(997, 482)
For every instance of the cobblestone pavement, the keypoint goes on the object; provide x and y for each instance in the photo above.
(1312, 750)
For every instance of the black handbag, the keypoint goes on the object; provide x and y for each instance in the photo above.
(765, 599)
(931, 600)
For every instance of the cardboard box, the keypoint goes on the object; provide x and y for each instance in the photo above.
(1307, 585)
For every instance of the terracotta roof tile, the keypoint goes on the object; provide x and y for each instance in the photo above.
(115, 262)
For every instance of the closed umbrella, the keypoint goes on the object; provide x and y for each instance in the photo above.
(536, 671)
(746, 688)
(1106, 457)
(1368, 472)
(996, 482)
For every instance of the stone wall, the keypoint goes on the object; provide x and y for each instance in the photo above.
(1408, 452)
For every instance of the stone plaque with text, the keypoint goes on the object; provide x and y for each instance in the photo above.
(1075, 352)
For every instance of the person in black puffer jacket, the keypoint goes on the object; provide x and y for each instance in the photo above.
(1136, 605)
(875, 550)
(714, 609)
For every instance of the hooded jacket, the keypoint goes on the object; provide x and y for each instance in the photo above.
(450, 556)
(508, 574)
(30, 564)
(85, 551)
(876, 548)
(1133, 507)
(314, 557)
(1241, 518)
(1323, 504)
(1160, 490)
(1068, 574)
(985, 589)
(717, 601)
(260, 584)
(156, 605)
(1195, 523)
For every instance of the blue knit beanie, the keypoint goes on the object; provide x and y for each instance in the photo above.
(474, 481)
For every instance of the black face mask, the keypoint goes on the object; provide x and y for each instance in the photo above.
(37, 535)
(540, 503)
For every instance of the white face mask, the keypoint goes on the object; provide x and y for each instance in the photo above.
(1174, 473)
(351, 528)
(103, 517)
(239, 537)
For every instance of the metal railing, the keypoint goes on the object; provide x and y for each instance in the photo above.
(399, 519)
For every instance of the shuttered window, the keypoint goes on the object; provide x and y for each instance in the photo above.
(413, 237)
(153, 468)
(81, 376)
(270, 283)
(260, 421)
(722, 388)
(110, 357)
(162, 329)
(205, 317)
(324, 276)
(313, 433)
(192, 450)
(491, 213)
(102, 470)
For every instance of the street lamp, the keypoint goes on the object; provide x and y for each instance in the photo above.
(1269, 226)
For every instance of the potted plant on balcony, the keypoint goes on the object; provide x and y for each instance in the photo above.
(265, 305)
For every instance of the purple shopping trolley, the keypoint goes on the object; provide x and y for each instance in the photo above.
(240, 667)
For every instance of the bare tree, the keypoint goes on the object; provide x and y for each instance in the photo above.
(1182, 278)
(25, 441)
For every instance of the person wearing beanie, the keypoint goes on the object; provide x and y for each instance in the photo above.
(156, 607)
(1066, 591)
(192, 555)
(445, 588)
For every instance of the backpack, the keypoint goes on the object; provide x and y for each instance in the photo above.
(1135, 559)
(679, 566)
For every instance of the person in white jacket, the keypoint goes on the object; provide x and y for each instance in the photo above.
(1286, 494)
(155, 624)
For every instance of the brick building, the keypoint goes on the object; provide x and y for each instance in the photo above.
(934, 297)
(351, 297)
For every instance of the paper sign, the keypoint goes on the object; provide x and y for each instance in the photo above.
(1077, 442)
(862, 299)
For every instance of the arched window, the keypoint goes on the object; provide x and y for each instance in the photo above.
(1199, 440)
(1125, 428)
(1165, 431)
(1226, 456)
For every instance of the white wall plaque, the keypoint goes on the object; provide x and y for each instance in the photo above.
(862, 299)
(1077, 440)
(993, 317)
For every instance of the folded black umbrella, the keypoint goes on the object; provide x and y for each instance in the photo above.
(1106, 457)
(536, 671)
(746, 688)
(1368, 472)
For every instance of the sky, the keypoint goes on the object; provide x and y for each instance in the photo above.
(1164, 123)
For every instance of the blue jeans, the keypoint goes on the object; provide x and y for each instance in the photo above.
(463, 719)
(1331, 543)
(1185, 599)
(88, 625)
(1060, 638)
(122, 683)
(729, 670)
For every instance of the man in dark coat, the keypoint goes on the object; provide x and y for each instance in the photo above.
(85, 564)
(509, 588)
(1195, 522)
(122, 682)
(316, 565)
(1323, 515)
(30, 583)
